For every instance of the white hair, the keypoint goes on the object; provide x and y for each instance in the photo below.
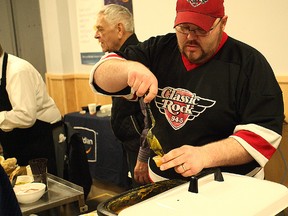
(115, 14)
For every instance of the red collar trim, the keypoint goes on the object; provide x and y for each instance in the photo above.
(190, 66)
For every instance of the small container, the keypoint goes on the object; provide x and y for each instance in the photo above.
(92, 108)
(39, 170)
(29, 193)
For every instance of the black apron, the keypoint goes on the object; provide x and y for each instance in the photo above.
(27, 143)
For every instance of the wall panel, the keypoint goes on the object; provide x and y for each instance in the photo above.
(71, 91)
(277, 168)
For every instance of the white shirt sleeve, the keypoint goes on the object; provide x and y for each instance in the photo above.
(28, 96)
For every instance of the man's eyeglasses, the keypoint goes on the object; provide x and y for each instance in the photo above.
(185, 29)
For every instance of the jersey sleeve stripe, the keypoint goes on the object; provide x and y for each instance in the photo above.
(260, 142)
(268, 135)
(260, 158)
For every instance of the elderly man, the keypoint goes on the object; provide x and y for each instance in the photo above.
(115, 31)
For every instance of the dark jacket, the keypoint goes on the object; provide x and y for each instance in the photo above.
(127, 119)
(8, 201)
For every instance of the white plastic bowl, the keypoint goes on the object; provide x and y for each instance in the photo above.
(29, 193)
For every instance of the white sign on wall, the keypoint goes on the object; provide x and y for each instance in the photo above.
(90, 50)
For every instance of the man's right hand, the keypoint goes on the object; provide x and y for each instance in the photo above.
(142, 81)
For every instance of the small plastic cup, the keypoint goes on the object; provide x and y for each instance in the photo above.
(92, 108)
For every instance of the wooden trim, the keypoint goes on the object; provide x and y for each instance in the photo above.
(81, 76)
(282, 79)
(57, 76)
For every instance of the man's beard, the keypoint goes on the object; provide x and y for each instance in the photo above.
(199, 59)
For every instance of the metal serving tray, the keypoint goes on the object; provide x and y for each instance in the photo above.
(60, 192)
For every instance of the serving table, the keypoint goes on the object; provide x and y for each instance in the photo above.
(60, 192)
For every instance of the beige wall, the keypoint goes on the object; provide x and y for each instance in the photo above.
(258, 23)
(71, 91)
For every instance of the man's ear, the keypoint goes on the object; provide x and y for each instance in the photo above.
(121, 29)
(224, 22)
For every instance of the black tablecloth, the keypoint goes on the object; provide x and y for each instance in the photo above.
(104, 151)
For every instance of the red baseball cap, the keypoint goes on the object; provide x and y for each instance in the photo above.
(202, 13)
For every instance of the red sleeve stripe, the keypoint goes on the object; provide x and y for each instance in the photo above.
(260, 142)
(260, 158)
(270, 136)
(111, 55)
(257, 142)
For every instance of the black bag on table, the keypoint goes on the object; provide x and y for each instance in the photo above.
(74, 167)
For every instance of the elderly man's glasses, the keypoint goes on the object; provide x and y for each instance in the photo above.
(185, 29)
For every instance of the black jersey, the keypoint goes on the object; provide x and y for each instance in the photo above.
(213, 101)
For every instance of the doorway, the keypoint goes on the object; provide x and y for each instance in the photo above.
(21, 31)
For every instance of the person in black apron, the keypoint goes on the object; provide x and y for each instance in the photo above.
(25, 143)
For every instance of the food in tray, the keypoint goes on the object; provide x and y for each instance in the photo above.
(17, 172)
(158, 160)
(9, 165)
(1, 159)
(11, 168)
(136, 195)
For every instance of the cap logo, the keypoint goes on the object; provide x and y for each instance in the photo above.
(196, 3)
